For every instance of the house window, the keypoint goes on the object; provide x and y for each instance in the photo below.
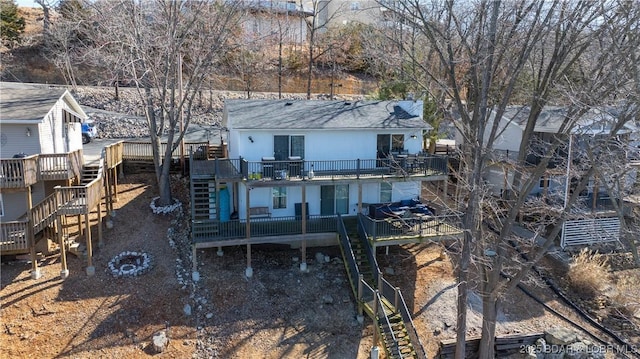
(544, 182)
(389, 143)
(279, 197)
(1, 206)
(397, 143)
(286, 146)
(385, 192)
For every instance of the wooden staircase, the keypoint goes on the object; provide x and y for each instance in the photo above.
(216, 151)
(89, 173)
(204, 203)
(402, 347)
(390, 324)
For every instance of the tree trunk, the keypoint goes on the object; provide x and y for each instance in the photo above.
(463, 287)
(309, 71)
(280, 68)
(489, 317)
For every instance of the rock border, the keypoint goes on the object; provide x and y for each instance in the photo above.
(143, 264)
(164, 209)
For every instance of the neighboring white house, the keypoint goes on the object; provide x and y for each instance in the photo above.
(592, 222)
(272, 21)
(330, 135)
(36, 120)
(550, 123)
(336, 13)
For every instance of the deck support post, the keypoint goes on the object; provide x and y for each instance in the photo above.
(100, 240)
(107, 189)
(195, 275)
(79, 225)
(91, 270)
(194, 259)
(445, 188)
(249, 271)
(64, 272)
(303, 247)
(31, 237)
(359, 198)
(115, 184)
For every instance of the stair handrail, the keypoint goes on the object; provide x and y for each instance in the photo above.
(383, 325)
(48, 206)
(397, 298)
(363, 237)
(354, 271)
(364, 290)
(399, 303)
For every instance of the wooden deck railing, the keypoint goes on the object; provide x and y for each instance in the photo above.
(419, 226)
(18, 172)
(113, 154)
(214, 230)
(430, 165)
(60, 166)
(143, 151)
(79, 199)
(13, 236)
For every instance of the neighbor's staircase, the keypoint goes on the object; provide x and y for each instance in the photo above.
(391, 326)
(204, 203)
(216, 151)
(90, 172)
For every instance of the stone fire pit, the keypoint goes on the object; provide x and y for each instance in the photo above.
(130, 264)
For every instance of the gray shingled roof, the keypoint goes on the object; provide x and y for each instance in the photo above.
(24, 102)
(315, 114)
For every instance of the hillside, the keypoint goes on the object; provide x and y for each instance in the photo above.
(30, 63)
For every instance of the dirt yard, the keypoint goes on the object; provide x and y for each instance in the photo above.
(278, 313)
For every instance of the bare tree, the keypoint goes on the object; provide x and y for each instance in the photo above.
(485, 50)
(317, 23)
(46, 6)
(159, 46)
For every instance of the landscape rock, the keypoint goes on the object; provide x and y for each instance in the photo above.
(160, 341)
(560, 336)
(327, 299)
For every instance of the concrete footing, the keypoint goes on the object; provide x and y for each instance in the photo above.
(360, 319)
(220, 253)
(64, 274)
(248, 272)
(303, 267)
(195, 276)
(36, 274)
(91, 271)
(375, 353)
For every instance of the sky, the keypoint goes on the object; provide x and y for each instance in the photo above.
(26, 3)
